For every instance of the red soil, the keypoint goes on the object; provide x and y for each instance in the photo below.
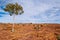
(29, 31)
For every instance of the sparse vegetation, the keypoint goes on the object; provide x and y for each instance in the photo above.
(26, 31)
(58, 37)
(37, 28)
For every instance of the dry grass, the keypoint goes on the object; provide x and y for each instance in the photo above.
(29, 31)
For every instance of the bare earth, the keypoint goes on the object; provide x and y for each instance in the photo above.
(29, 31)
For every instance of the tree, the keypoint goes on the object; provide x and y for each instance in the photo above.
(14, 9)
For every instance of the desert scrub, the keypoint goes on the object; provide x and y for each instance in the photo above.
(58, 37)
(37, 28)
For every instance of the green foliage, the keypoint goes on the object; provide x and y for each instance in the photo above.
(14, 9)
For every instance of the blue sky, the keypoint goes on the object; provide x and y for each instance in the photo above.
(35, 11)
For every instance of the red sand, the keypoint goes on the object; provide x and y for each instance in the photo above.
(29, 31)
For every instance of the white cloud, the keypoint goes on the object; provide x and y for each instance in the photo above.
(32, 9)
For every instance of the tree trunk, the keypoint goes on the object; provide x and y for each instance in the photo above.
(13, 23)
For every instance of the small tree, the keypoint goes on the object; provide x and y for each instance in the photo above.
(14, 9)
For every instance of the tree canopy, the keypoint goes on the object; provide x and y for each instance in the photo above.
(14, 9)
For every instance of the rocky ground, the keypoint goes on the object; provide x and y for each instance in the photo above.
(30, 31)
